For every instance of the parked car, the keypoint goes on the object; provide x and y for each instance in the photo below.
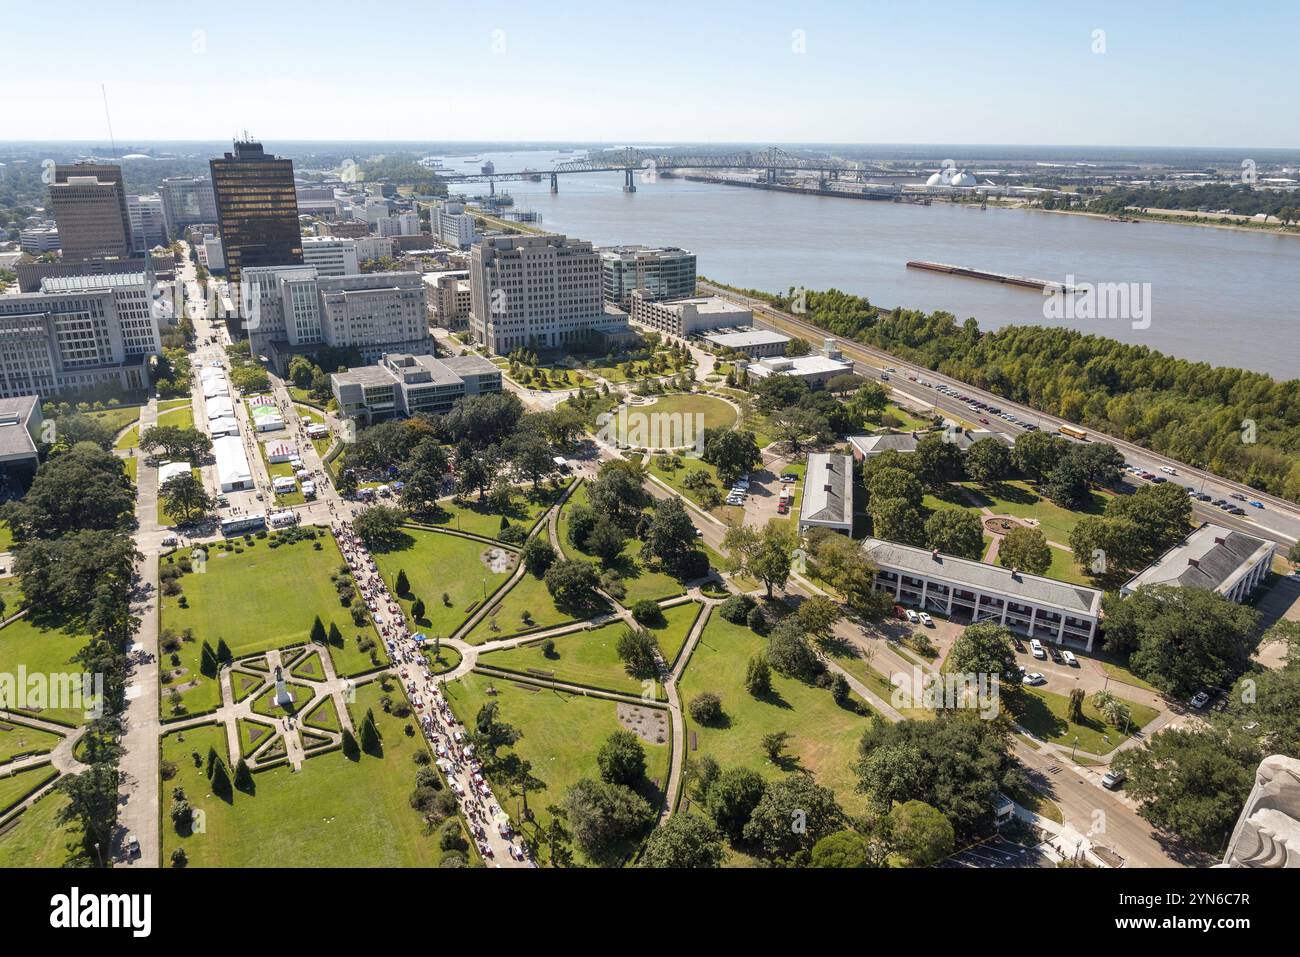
(1019, 645)
(912, 617)
(1200, 700)
(1036, 648)
(1070, 660)
(789, 477)
(1033, 678)
(1168, 470)
(1255, 504)
(1112, 780)
(926, 620)
(1238, 496)
(1056, 654)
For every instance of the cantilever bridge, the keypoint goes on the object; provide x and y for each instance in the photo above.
(631, 162)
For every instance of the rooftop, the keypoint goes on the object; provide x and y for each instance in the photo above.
(991, 579)
(15, 416)
(828, 489)
(750, 337)
(1210, 557)
(81, 283)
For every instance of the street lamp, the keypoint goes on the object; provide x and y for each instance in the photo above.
(1075, 747)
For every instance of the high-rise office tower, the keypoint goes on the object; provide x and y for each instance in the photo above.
(257, 209)
(89, 204)
(187, 200)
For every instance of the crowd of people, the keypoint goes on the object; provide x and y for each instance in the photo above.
(455, 755)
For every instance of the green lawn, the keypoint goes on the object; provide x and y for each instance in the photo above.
(640, 579)
(676, 479)
(130, 439)
(165, 517)
(38, 840)
(6, 537)
(264, 704)
(561, 735)
(119, 418)
(181, 417)
(436, 563)
(591, 657)
(1019, 499)
(717, 413)
(447, 659)
(18, 739)
(852, 659)
(335, 812)
(309, 667)
(40, 650)
(823, 736)
(324, 715)
(529, 595)
(262, 599)
(17, 786)
(253, 734)
(1043, 713)
(477, 518)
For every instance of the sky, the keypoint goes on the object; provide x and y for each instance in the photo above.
(1153, 73)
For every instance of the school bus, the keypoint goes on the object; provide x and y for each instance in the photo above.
(1070, 432)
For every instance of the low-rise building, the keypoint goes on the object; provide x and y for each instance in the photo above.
(401, 385)
(816, 369)
(827, 493)
(39, 239)
(233, 473)
(682, 318)
(754, 343)
(869, 446)
(20, 431)
(1221, 559)
(969, 591)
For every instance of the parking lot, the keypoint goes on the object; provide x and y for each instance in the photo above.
(762, 498)
(998, 852)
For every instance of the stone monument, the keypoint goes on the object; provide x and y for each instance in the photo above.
(282, 696)
(1268, 832)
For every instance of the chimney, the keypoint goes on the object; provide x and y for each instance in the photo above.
(934, 554)
(1194, 562)
(1219, 540)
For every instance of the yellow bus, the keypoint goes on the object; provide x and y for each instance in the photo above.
(1069, 431)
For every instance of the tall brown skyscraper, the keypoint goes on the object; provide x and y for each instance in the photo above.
(257, 209)
(89, 204)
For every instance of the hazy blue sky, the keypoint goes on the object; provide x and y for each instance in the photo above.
(1172, 73)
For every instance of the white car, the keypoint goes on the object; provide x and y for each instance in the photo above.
(1036, 648)
(1167, 470)
(926, 620)
(912, 617)
(1068, 657)
(1200, 700)
(1033, 678)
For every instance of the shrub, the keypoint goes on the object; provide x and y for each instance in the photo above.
(706, 707)
(736, 608)
(647, 612)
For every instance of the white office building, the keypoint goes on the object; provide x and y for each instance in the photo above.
(292, 308)
(401, 385)
(403, 224)
(187, 201)
(1225, 561)
(137, 310)
(657, 272)
(816, 369)
(682, 318)
(331, 255)
(537, 291)
(58, 343)
(148, 227)
(970, 591)
(39, 239)
(450, 224)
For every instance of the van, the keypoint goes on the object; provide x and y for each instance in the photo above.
(1036, 648)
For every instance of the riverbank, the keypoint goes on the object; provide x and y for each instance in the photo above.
(1172, 216)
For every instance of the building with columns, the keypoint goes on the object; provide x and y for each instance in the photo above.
(1225, 561)
(970, 591)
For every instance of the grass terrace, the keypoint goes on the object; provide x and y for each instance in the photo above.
(1043, 713)
(478, 518)
(562, 734)
(437, 563)
(591, 658)
(37, 839)
(41, 649)
(823, 736)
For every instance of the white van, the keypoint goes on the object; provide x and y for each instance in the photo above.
(1036, 648)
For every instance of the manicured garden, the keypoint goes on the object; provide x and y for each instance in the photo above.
(257, 597)
(40, 649)
(479, 518)
(335, 812)
(20, 740)
(527, 606)
(717, 413)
